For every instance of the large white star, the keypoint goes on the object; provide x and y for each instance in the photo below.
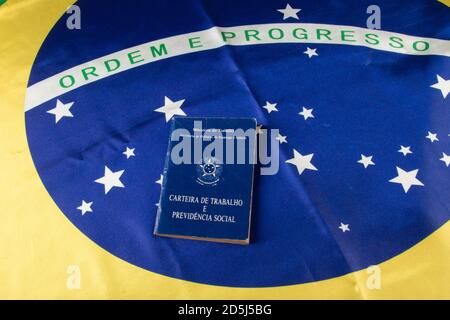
(111, 179)
(405, 150)
(445, 158)
(289, 12)
(61, 110)
(311, 52)
(160, 181)
(432, 136)
(259, 129)
(306, 113)
(129, 152)
(443, 85)
(171, 108)
(366, 161)
(302, 162)
(270, 107)
(85, 207)
(282, 139)
(407, 179)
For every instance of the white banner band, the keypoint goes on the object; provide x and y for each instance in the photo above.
(216, 37)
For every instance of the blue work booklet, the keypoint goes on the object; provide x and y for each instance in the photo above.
(208, 180)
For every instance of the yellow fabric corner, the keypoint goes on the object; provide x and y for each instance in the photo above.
(446, 2)
(38, 245)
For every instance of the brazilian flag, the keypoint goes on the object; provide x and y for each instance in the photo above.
(359, 205)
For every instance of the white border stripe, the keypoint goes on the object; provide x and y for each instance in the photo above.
(50, 88)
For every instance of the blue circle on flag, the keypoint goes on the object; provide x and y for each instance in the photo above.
(342, 217)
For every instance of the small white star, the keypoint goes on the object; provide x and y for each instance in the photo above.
(259, 129)
(171, 108)
(85, 207)
(344, 227)
(302, 162)
(443, 85)
(366, 161)
(160, 181)
(306, 113)
(270, 107)
(432, 136)
(111, 179)
(289, 12)
(129, 152)
(311, 52)
(405, 150)
(61, 110)
(407, 179)
(445, 158)
(282, 139)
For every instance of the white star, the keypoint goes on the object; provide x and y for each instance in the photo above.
(366, 161)
(270, 107)
(85, 207)
(289, 12)
(160, 181)
(432, 136)
(443, 85)
(281, 139)
(445, 158)
(111, 179)
(302, 162)
(306, 113)
(311, 52)
(407, 179)
(171, 108)
(259, 129)
(344, 227)
(129, 152)
(405, 150)
(61, 110)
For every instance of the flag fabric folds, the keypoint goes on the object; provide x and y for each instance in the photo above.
(358, 207)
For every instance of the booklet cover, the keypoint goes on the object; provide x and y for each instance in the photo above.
(208, 180)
